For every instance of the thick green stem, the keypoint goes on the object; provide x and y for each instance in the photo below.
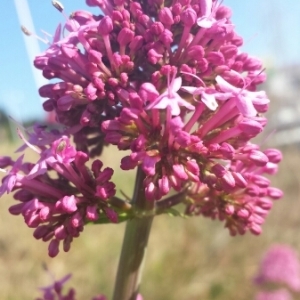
(134, 245)
(132, 258)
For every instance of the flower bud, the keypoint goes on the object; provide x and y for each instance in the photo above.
(136, 43)
(125, 36)
(188, 17)
(273, 155)
(105, 26)
(250, 127)
(259, 158)
(165, 16)
(53, 248)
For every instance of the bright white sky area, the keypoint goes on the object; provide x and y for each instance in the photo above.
(270, 29)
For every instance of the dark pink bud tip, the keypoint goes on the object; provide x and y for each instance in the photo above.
(223, 12)
(219, 170)
(250, 127)
(53, 248)
(256, 229)
(136, 43)
(274, 155)
(111, 214)
(275, 193)
(125, 36)
(261, 181)
(259, 158)
(41, 231)
(60, 232)
(164, 185)
(188, 17)
(165, 16)
(157, 28)
(105, 26)
(95, 56)
(16, 209)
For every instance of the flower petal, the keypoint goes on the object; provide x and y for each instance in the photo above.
(245, 106)
(226, 86)
(176, 84)
(210, 101)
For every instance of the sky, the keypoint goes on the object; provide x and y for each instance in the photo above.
(270, 29)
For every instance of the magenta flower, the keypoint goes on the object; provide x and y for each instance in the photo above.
(209, 99)
(10, 180)
(245, 100)
(169, 83)
(99, 62)
(280, 265)
(170, 98)
(206, 20)
(56, 291)
(241, 196)
(58, 208)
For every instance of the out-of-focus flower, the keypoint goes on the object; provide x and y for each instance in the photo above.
(55, 291)
(281, 294)
(280, 265)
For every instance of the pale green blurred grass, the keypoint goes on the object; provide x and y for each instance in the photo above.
(188, 259)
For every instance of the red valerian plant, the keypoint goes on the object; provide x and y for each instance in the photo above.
(167, 81)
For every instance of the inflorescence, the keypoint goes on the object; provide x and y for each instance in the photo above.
(165, 80)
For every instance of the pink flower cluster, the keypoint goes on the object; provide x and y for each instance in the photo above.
(178, 57)
(280, 266)
(166, 81)
(242, 196)
(59, 193)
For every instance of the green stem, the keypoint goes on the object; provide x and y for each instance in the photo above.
(134, 245)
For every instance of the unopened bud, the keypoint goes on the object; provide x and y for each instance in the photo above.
(165, 16)
(273, 155)
(250, 127)
(259, 158)
(105, 26)
(125, 36)
(188, 17)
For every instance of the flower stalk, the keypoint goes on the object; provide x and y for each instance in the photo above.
(132, 258)
(134, 246)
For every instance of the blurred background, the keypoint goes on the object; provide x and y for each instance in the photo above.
(187, 258)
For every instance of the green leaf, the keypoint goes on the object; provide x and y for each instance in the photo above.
(173, 212)
(103, 219)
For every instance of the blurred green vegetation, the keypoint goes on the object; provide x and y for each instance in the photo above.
(187, 258)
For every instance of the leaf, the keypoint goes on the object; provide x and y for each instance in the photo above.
(173, 212)
(103, 219)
